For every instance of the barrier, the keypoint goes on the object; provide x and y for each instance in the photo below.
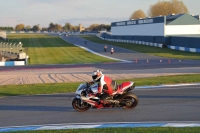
(12, 63)
(195, 50)
(133, 41)
(12, 55)
(9, 48)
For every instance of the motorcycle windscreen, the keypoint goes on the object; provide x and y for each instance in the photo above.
(94, 88)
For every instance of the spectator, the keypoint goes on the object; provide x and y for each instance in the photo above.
(105, 48)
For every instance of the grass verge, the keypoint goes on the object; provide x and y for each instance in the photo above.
(31, 89)
(45, 49)
(122, 130)
(162, 52)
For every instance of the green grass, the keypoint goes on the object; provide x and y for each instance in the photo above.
(162, 52)
(31, 89)
(122, 130)
(45, 49)
(176, 79)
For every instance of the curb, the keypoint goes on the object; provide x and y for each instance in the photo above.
(99, 125)
(106, 125)
(161, 86)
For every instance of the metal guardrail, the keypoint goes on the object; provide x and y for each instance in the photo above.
(10, 48)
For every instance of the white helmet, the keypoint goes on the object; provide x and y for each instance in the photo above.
(96, 75)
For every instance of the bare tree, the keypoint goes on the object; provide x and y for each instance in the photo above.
(167, 7)
(138, 14)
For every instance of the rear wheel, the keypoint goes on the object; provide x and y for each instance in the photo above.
(130, 100)
(78, 106)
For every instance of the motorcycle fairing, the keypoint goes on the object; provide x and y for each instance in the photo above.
(126, 85)
(80, 89)
(94, 88)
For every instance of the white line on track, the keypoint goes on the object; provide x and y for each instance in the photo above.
(101, 54)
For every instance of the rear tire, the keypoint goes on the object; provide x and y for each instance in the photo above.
(130, 99)
(76, 103)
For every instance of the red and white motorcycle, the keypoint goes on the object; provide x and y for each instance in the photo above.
(121, 97)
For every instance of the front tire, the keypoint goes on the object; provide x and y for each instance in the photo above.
(80, 107)
(130, 100)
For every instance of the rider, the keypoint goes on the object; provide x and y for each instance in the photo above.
(105, 84)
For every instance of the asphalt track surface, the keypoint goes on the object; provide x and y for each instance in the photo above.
(177, 104)
(159, 104)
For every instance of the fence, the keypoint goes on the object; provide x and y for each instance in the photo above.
(189, 44)
(9, 48)
(132, 41)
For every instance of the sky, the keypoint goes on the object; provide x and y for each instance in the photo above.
(75, 12)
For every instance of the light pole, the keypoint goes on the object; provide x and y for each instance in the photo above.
(10, 47)
(13, 48)
(3, 48)
(19, 47)
(1, 45)
(7, 48)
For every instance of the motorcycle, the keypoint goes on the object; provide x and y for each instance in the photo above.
(121, 97)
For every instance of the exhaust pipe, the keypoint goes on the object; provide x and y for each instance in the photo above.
(122, 103)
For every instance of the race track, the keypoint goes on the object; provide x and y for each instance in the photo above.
(161, 104)
(180, 103)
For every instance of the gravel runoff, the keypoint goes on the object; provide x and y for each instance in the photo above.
(61, 75)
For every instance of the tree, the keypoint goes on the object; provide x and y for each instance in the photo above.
(36, 27)
(167, 7)
(51, 27)
(138, 14)
(55, 27)
(44, 29)
(94, 27)
(28, 27)
(6, 28)
(19, 27)
(99, 27)
(67, 27)
(58, 27)
(75, 28)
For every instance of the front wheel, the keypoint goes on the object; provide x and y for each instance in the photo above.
(129, 100)
(80, 107)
